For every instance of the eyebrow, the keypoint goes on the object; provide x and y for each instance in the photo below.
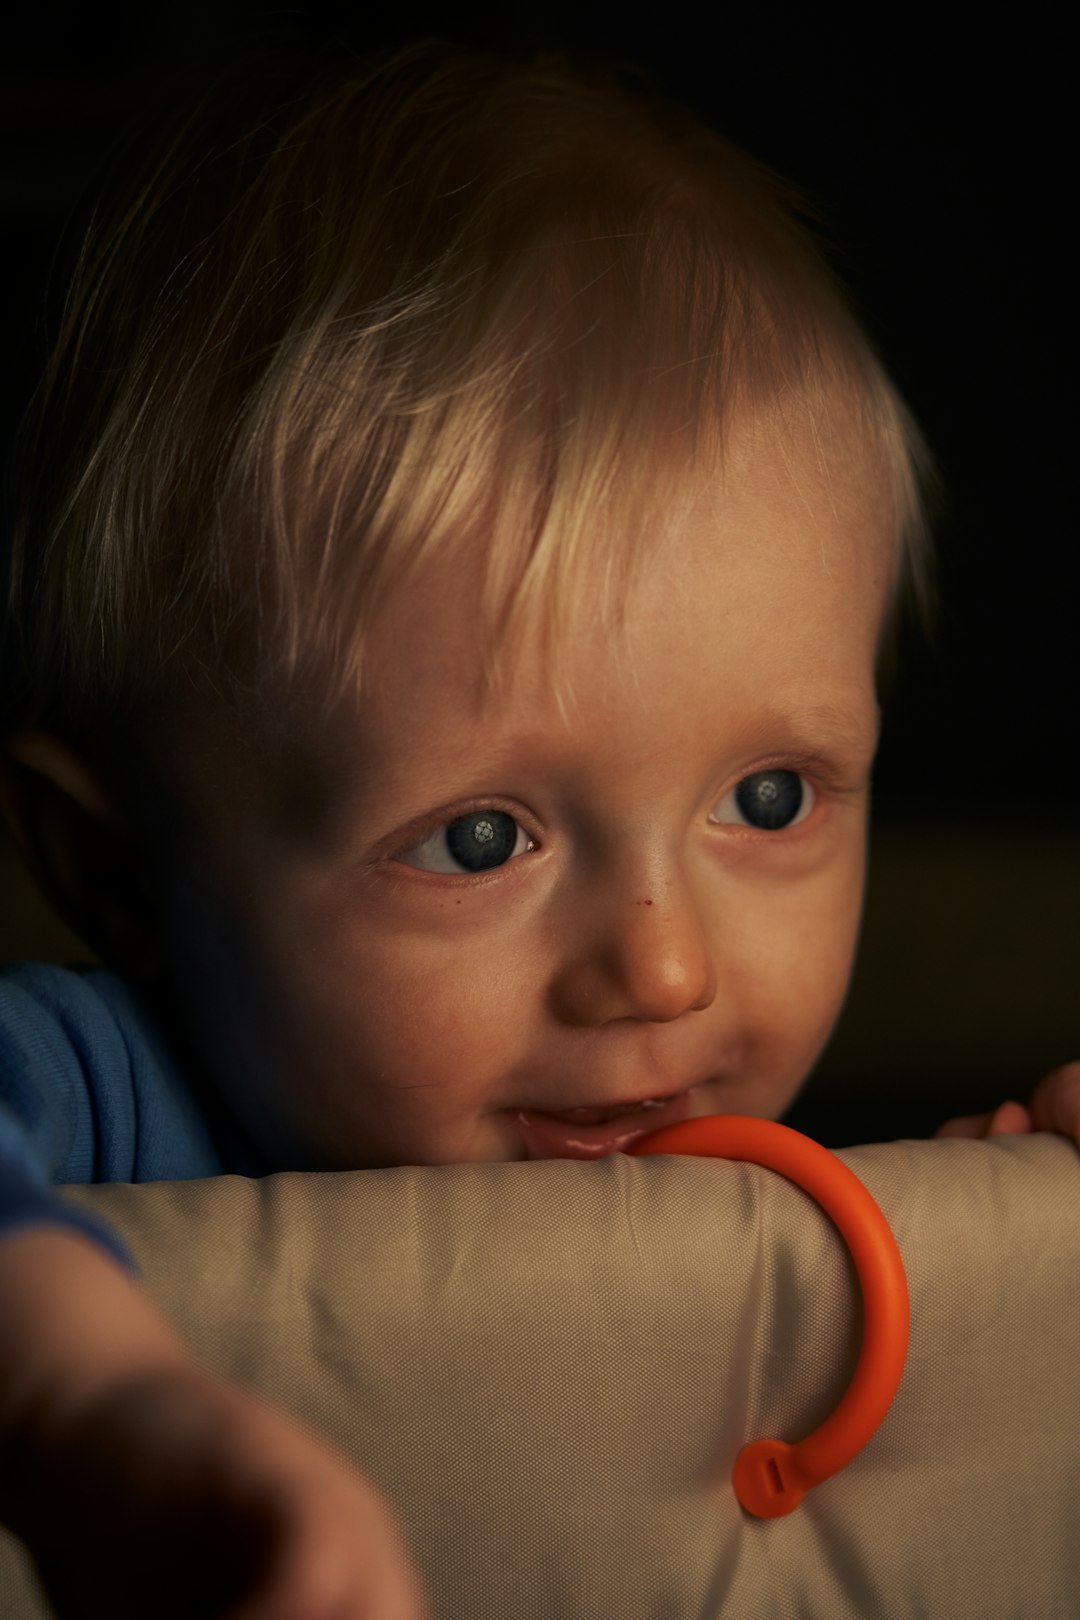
(817, 726)
(820, 730)
(838, 723)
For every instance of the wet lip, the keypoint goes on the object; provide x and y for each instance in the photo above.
(593, 1133)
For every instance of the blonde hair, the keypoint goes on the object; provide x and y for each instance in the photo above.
(439, 300)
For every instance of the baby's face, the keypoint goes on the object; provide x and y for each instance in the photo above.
(472, 926)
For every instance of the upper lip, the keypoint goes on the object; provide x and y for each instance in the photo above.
(613, 1104)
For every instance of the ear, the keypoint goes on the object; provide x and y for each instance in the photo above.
(81, 849)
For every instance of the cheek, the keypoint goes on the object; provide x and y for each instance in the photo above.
(403, 1004)
(803, 958)
(380, 1055)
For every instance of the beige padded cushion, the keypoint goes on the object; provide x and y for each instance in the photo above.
(549, 1368)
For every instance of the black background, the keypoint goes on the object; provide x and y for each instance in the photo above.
(942, 157)
(940, 152)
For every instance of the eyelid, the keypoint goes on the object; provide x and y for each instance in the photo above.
(424, 827)
(441, 836)
(811, 798)
(827, 775)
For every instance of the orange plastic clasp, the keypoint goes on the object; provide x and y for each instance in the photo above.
(770, 1476)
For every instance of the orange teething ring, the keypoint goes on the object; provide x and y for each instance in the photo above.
(770, 1476)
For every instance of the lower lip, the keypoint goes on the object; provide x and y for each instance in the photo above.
(547, 1137)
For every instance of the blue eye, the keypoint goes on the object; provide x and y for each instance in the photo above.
(476, 842)
(767, 800)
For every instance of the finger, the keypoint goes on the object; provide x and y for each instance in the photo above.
(1010, 1119)
(1055, 1102)
(967, 1125)
(334, 1559)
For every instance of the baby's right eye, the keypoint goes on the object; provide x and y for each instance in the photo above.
(476, 842)
(768, 800)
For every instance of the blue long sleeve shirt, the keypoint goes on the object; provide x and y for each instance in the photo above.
(90, 1090)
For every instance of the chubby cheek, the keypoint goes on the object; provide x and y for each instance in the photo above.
(395, 1054)
(800, 970)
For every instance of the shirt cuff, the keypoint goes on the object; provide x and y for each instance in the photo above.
(24, 1204)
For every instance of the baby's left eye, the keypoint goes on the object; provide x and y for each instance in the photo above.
(768, 800)
(476, 842)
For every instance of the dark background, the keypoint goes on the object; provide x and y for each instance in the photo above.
(941, 155)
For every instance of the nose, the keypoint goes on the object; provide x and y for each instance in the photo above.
(639, 952)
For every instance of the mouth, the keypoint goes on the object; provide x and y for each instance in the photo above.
(593, 1133)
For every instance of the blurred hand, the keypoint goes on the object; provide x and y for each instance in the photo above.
(1054, 1106)
(184, 1497)
(1055, 1102)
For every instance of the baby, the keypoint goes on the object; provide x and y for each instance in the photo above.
(456, 540)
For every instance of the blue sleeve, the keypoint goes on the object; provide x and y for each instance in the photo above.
(89, 1091)
(24, 1202)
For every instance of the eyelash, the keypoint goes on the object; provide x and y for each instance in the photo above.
(483, 818)
(810, 792)
(809, 796)
(441, 821)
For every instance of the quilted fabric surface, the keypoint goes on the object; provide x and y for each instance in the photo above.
(550, 1367)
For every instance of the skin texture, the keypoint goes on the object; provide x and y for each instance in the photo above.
(357, 1001)
(144, 1484)
(1054, 1106)
(358, 1008)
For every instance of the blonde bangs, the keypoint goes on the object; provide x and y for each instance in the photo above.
(445, 307)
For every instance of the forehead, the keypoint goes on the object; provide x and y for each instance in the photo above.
(758, 607)
(788, 539)
(763, 595)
